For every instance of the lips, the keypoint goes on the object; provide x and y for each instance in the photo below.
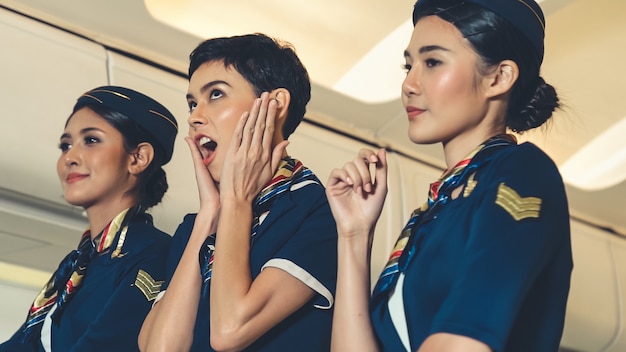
(413, 112)
(75, 177)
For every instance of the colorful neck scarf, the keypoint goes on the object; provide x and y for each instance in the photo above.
(438, 196)
(291, 174)
(67, 279)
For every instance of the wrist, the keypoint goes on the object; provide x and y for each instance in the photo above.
(356, 237)
(233, 203)
(205, 224)
(354, 253)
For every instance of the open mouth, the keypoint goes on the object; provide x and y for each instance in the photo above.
(207, 148)
(208, 143)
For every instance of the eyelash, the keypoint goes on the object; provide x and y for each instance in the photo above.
(192, 105)
(213, 92)
(431, 62)
(427, 63)
(65, 146)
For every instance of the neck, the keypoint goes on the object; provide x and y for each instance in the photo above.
(101, 216)
(457, 149)
(492, 123)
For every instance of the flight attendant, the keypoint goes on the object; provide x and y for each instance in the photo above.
(255, 268)
(485, 263)
(112, 151)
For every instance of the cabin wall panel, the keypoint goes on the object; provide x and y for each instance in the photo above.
(43, 70)
(592, 314)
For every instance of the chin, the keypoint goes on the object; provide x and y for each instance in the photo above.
(422, 140)
(75, 200)
(75, 203)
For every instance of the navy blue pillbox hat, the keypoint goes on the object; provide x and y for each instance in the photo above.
(525, 15)
(146, 112)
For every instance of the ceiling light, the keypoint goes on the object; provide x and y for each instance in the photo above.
(378, 76)
(601, 163)
(23, 276)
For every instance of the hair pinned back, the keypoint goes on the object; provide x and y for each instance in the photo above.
(495, 38)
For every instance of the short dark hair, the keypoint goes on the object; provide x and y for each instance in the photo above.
(495, 39)
(266, 63)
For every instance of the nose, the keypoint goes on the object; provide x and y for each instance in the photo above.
(71, 157)
(411, 85)
(196, 117)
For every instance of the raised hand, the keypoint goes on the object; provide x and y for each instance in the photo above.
(356, 196)
(207, 189)
(251, 161)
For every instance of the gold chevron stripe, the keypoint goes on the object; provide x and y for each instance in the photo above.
(147, 285)
(518, 207)
(469, 186)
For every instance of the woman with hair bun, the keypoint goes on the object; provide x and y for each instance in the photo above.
(485, 263)
(112, 151)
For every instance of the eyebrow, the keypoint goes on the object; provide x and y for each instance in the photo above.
(427, 49)
(83, 131)
(207, 86)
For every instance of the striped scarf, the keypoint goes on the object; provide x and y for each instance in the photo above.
(438, 196)
(291, 175)
(67, 279)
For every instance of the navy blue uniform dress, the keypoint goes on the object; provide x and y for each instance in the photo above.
(116, 294)
(299, 235)
(491, 265)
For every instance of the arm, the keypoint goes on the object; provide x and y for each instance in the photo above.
(440, 342)
(170, 324)
(356, 203)
(242, 310)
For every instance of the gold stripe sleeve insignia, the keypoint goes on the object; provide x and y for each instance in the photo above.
(147, 285)
(518, 207)
(469, 186)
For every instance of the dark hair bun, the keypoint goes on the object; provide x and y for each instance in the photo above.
(153, 188)
(537, 111)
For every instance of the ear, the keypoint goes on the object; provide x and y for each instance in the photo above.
(283, 98)
(140, 158)
(502, 79)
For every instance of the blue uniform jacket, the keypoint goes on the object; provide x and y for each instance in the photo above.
(491, 265)
(299, 230)
(107, 312)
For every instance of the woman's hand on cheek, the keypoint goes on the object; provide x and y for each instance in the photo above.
(251, 162)
(207, 190)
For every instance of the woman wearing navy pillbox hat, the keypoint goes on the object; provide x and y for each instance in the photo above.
(112, 149)
(485, 263)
